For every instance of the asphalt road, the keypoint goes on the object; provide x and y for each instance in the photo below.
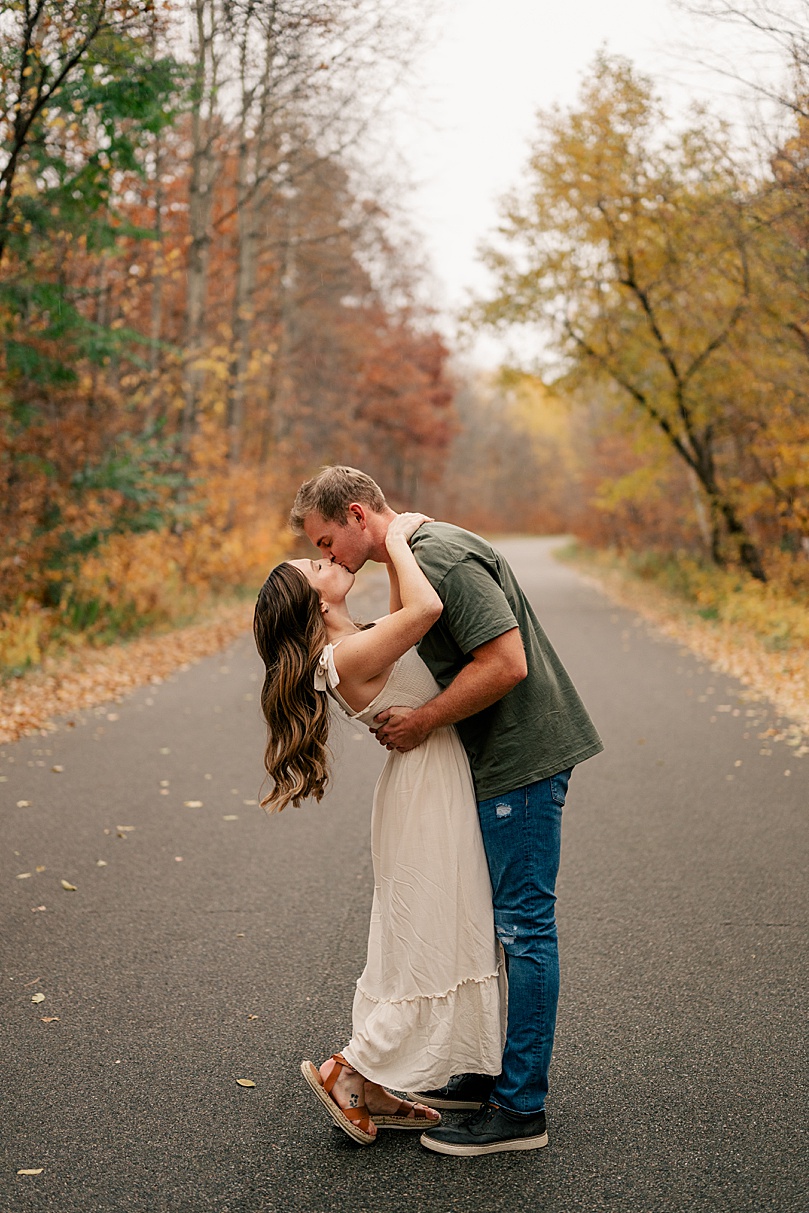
(215, 944)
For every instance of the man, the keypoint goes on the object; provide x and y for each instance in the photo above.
(524, 728)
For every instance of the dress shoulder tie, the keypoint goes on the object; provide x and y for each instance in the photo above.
(326, 671)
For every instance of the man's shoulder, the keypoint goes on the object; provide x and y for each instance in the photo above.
(442, 545)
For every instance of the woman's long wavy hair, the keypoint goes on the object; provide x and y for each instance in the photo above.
(290, 635)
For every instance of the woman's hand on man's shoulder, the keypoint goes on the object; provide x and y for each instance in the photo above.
(404, 526)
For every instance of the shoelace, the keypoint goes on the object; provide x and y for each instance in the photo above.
(480, 1119)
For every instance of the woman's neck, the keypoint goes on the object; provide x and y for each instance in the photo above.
(339, 623)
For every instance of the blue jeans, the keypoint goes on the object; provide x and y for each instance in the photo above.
(522, 834)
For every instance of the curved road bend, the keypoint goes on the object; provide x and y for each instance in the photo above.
(212, 944)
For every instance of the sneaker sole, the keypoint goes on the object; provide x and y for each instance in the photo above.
(444, 1105)
(495, 1147)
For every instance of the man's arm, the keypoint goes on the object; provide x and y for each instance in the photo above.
(495, 669)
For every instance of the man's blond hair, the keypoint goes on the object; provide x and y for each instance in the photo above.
(331, 492)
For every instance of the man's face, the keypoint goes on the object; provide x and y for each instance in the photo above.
(348, 543)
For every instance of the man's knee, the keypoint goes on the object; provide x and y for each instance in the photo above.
(525, 937)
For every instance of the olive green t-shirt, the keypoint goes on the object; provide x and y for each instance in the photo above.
(540, 727)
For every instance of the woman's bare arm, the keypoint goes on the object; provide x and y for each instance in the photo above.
(370, 654)
(395, 596)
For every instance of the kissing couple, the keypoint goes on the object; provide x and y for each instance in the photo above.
(483, 728)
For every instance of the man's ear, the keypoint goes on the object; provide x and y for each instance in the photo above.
(355, 510)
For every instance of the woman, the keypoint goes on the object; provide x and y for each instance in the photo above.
(429, 1003)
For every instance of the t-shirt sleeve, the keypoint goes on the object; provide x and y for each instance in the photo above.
(475, 608)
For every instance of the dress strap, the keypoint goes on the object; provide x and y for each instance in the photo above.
(326, 675)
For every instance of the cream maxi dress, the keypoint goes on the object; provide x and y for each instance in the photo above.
(431, 1000)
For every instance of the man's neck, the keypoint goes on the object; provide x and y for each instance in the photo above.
(378, 528)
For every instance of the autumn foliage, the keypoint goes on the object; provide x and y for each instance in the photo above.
(202, 298)
(197, 305)
(670, 278)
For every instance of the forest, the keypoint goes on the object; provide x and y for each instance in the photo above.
(203, 298)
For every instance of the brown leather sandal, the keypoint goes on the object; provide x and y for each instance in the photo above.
(405, 1117)
(353, 1121)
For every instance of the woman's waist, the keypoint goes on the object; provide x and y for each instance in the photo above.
(411, 702)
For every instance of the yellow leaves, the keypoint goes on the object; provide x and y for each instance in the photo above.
(30, 1170)
(245, 1082)
(37, 998)
(68, 887)
(192, 804)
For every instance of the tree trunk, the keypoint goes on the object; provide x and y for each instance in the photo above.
(200, 198)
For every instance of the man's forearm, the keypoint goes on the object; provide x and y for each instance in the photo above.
(470, 692)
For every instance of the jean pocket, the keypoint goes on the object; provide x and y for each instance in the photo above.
(559, 785)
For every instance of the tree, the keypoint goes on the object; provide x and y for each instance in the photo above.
(635, 248)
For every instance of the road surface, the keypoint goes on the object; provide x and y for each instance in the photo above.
(205, 943)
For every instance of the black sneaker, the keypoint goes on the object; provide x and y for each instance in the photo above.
(491, 1130)
(463, 1093)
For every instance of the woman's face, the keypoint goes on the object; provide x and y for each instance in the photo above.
(330, 581)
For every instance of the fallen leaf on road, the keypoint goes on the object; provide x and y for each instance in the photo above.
(101, 863)
(23, 804)
(165, 750)
(249, 802)
(40, 868)
(192, 804)
(230, 817)
(49, 1018)
(37, 998)
(57, 770)
(68, 887)
(36, 909)
(23, 875)
(112, 716)
(252, 1016)
(31, 1171)
(245, 1082)
(126, 829)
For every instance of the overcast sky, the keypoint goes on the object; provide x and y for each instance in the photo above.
(491, 67)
